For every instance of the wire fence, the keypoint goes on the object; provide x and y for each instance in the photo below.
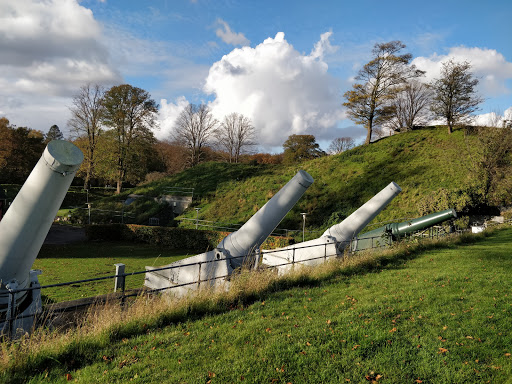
(220, 226)
(15, 308)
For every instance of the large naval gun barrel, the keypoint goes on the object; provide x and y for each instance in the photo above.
(359, 219)
(254, 232)
(29, 218)
(211, 268)
(387, 234)
(333, 242)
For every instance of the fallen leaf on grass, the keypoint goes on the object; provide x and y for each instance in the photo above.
(507, 354)
(355, 346)
(442, 350)
(69, 377)
(373, 378)
(211, 374)
(392, 330)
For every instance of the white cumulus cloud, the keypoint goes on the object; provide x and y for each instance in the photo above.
(493, 119)
(281, 90)
(228, 36)
(488, 65)
(48, 50)
(168, 114)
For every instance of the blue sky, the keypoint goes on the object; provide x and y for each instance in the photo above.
(285, 64)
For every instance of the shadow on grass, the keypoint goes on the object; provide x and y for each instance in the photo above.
(110, 250)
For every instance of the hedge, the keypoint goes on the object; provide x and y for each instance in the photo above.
(172, 238)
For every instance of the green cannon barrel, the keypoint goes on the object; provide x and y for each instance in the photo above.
(385, 235)
(400, 229)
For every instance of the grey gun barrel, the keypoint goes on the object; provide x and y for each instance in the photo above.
(333, 242)
(26, 223)
(213, 267)
(255, 231)
(359, 219)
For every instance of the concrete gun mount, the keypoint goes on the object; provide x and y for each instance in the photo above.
(333, 241)
(235, 250)
(25, 226)
(385, 235)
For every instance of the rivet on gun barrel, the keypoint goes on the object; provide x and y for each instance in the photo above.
(235, 249)
(26, 224)
(385, 235)
(333, 241)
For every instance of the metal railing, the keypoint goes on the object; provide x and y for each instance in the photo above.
(343, 249)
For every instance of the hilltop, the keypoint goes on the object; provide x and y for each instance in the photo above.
(432, 167)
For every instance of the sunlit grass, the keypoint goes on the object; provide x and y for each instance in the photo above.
(81, 261)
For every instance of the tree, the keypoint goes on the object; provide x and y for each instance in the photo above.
(141, 159)
(53, 133)
(455, 97)
(5, 143)
(490, 162)
(368, 103)
(20, 150)
(340, 144)
(131, 114)
(172, 155)
(410, 106)
(301, 147)
(193, 129)
(235, 134)
(85, 123)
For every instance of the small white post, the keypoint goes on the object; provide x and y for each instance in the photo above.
(119, 280)
(303, 224)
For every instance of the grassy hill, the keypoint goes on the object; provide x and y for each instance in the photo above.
(431, 166)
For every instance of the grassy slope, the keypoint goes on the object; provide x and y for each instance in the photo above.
(442, 317)
(421, 162)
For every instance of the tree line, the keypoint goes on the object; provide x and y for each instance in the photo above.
(114, 127)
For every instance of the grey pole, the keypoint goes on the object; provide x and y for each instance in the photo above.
(197, 216)
(303, 224)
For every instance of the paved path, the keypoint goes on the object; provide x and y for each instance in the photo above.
(64, 234)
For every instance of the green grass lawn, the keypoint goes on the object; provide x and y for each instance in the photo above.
(441, 317)
(82, 261)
